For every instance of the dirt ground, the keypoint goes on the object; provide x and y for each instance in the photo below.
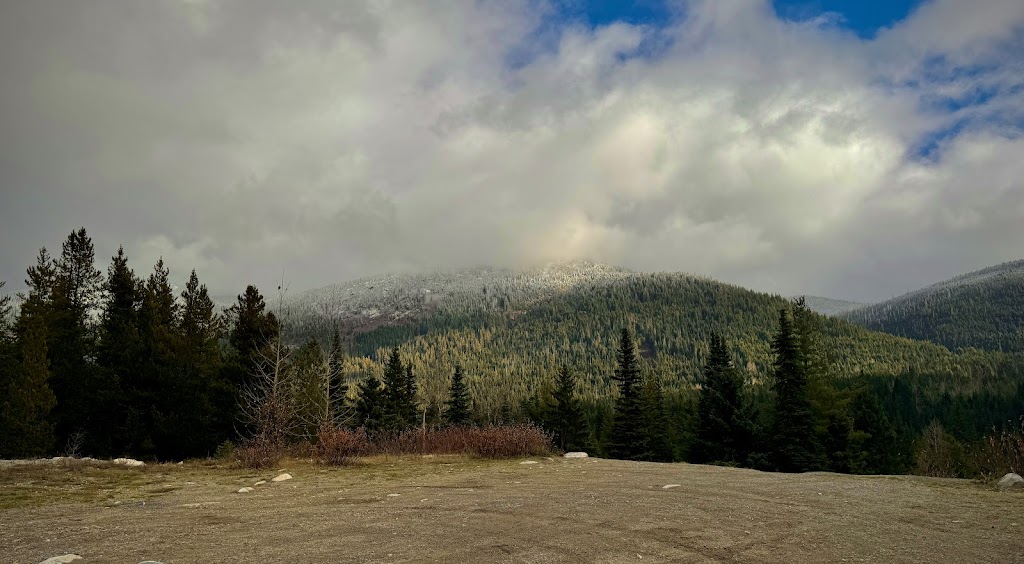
(458, 510)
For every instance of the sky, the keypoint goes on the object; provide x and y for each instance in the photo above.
(852, 149)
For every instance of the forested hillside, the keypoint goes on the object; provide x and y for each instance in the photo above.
(831, 306)
(982, 309)
(508, 344)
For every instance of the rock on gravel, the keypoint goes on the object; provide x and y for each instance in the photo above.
(244, 490)
(529, 462)
(260, 483)
(575, 455)
(128, 462)
(1011, 481)
(669, 486)
(64, 559)
(281, 477)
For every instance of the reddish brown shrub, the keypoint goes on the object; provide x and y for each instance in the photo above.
(338, 446)
(485, 442)
(260, 451)
(1000, 453)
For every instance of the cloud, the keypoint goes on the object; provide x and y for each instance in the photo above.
(332, 141)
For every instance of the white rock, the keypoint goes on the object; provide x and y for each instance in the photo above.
(394, 495)
(529, 462)
(1010, 481)
(244, 490)
(576, 455)
(150, 562)
(260, 483)
(669, 486)
(281, 477)
(128, 462)
(61, 559)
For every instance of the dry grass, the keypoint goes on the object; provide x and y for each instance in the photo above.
(342, 446)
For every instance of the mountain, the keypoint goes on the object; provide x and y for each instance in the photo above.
(831, 306)
(511, 330)
(982, 309)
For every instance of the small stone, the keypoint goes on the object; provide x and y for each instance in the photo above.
(63, 559)
(575, 455)
(128, 462)
(529, 462)
(150, 562)
(244, 490)
(394, 495)
(282, 477)
(1010, 481)
(260, 483)
(669, 486)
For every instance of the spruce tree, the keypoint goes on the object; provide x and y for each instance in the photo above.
(251, 328)
(409, 409)
(457, 409)
(721, 428)
(156, 394)
(25, 427)
(83, 398)
(567, 418)
(395, 388)
(796, 448)
(627, 436)
(656, 445)
(370, 404)
(199, 361)
(119, 349)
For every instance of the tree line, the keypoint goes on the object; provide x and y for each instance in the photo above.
(117, 364)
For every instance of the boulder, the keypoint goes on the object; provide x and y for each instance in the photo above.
(281, 477)
(244, 490)
(64, 559)
(575, 455)
(128, 462)
(1011, 481)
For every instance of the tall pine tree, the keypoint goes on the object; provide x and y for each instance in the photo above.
(796, 447)
(199, 361)
(25, 427)
(369, 412)
(656, 446)
(157, 390)
(627, 436)
(398, 410)
(83, 398)
(567, 417)
(457, 409)
(119, 349)
(721, 429)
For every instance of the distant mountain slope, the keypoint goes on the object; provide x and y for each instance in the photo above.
(982, 309)
(526, 324)
(831, 306)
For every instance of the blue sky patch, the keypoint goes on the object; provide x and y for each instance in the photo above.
(863, 17)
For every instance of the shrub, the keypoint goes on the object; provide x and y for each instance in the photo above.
(485, 442)
(338, 446)
(1000, 453)
(260, 451)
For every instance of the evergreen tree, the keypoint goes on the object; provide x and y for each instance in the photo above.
(409, 410)
(370, 404)
(156, 393)
(567, 419)
(627, 434)
(457, 409)
(655, 423)
(199, 361)
(251, 329)
(396, 400)
(309, 380)
(83, 399)
(721, 434)
(25, 427)
(119, 349)
(795, 444)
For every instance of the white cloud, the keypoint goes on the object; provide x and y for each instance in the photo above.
(241, 139)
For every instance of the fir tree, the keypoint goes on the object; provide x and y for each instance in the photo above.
(655, 423)
(251, 328)
(409, 410)
(119, 347)
(795, 444)
(199, 361)
(567, 418)
(370, 404)
(627, 435)
(721, 429)
(396, 402)
(457, 408)
(156, 393)
(83, 398)
(25, 427)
